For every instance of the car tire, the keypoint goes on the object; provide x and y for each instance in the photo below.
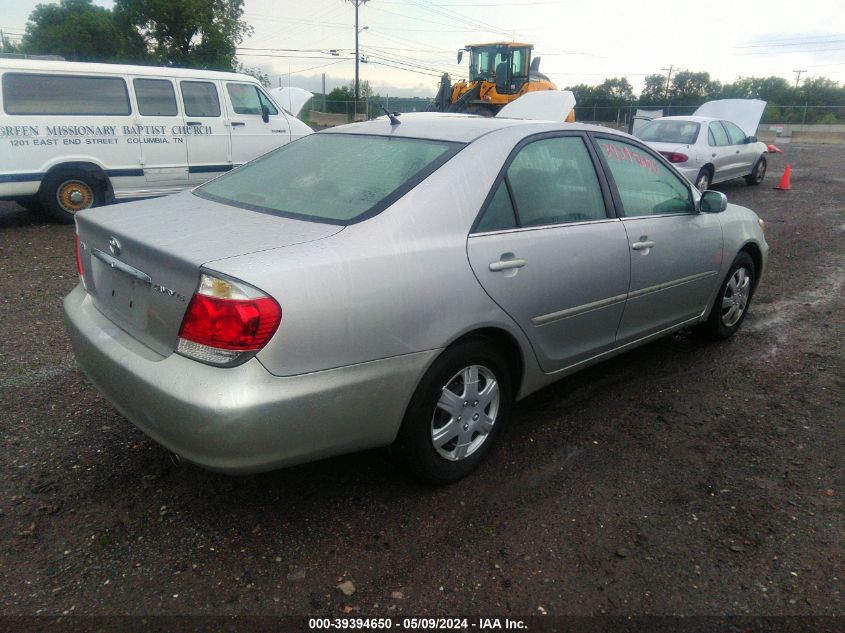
(703, 180)
(758, 173)
(733, 300)
(65, 192)
(452, 422)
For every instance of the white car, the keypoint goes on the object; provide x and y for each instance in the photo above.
(75, 135)
(716, 144)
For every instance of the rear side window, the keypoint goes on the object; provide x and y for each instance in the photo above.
(200, 98)
(337, 178)
(551, 181)
(718, 137)
(248, 99)
(25, 93)
(646, 186)
(155, 97)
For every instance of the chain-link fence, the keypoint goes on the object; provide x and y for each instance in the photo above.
(803, 114)
(340, 112)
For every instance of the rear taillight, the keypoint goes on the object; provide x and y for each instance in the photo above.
(225, 320)
(675, 157)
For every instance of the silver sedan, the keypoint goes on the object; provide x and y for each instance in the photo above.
(707, 150)
(397, 283)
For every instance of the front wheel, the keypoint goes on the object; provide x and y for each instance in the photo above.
(758, 173)
(456, 413)
(733, 300)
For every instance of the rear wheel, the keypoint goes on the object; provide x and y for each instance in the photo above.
(456, 413)
(64, 193)
(733, 300)
(703, 180)
(758, 173)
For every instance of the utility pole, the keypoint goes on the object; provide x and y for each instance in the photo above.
(798, 76)
(357, 4)
(668, 78)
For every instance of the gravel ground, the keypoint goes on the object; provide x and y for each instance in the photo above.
(682, 478)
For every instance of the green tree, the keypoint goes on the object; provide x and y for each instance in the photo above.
(8, 46)
(79, 31)
(654, 90)
(259, 74)
(190, 33)
(337, 98)
(691, 88)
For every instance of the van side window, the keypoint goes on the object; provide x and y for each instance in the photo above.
(200, 98)
(28, 93)
(155, 97)
(248, 99)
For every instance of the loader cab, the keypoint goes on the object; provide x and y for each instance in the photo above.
(504, 64)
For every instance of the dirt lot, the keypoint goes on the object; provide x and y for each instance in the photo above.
(682, 478)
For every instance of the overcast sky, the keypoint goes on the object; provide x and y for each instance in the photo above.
(410, 42)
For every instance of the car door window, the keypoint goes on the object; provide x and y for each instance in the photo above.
(645, 185)
(717, 136)
(200, 99)
(248, 99)
(736, 135)
(552, 181)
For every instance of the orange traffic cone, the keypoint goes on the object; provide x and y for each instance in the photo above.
(774, 149)
(784, 185)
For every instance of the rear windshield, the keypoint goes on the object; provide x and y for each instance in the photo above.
(336, 178)
(670, 132)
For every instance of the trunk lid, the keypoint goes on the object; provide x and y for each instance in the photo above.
(142, 259)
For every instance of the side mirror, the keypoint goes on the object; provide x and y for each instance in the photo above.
(265, 113)
(460, 55)
(713, 202)
(751, 139)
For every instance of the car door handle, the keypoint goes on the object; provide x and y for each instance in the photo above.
(737, 151)
(194, 123)
(237, 123)
(641, 246)
(506, 264)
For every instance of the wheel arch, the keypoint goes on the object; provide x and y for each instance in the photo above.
(90, 167)
(505, 343)
(756, 255)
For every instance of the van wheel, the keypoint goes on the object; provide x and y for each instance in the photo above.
(64, 193)
(456, 413)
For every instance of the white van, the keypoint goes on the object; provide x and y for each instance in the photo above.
(75, 135)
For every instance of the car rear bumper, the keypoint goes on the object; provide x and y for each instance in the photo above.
(241, 419)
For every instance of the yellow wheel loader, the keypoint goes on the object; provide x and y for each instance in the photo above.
(499, 72)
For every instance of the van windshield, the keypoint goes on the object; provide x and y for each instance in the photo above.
(336, 178)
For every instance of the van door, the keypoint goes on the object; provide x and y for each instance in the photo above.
(158, 133)
(206, 130)
(252, 136)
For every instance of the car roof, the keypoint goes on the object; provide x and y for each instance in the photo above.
(43, 65)
(459, 128)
